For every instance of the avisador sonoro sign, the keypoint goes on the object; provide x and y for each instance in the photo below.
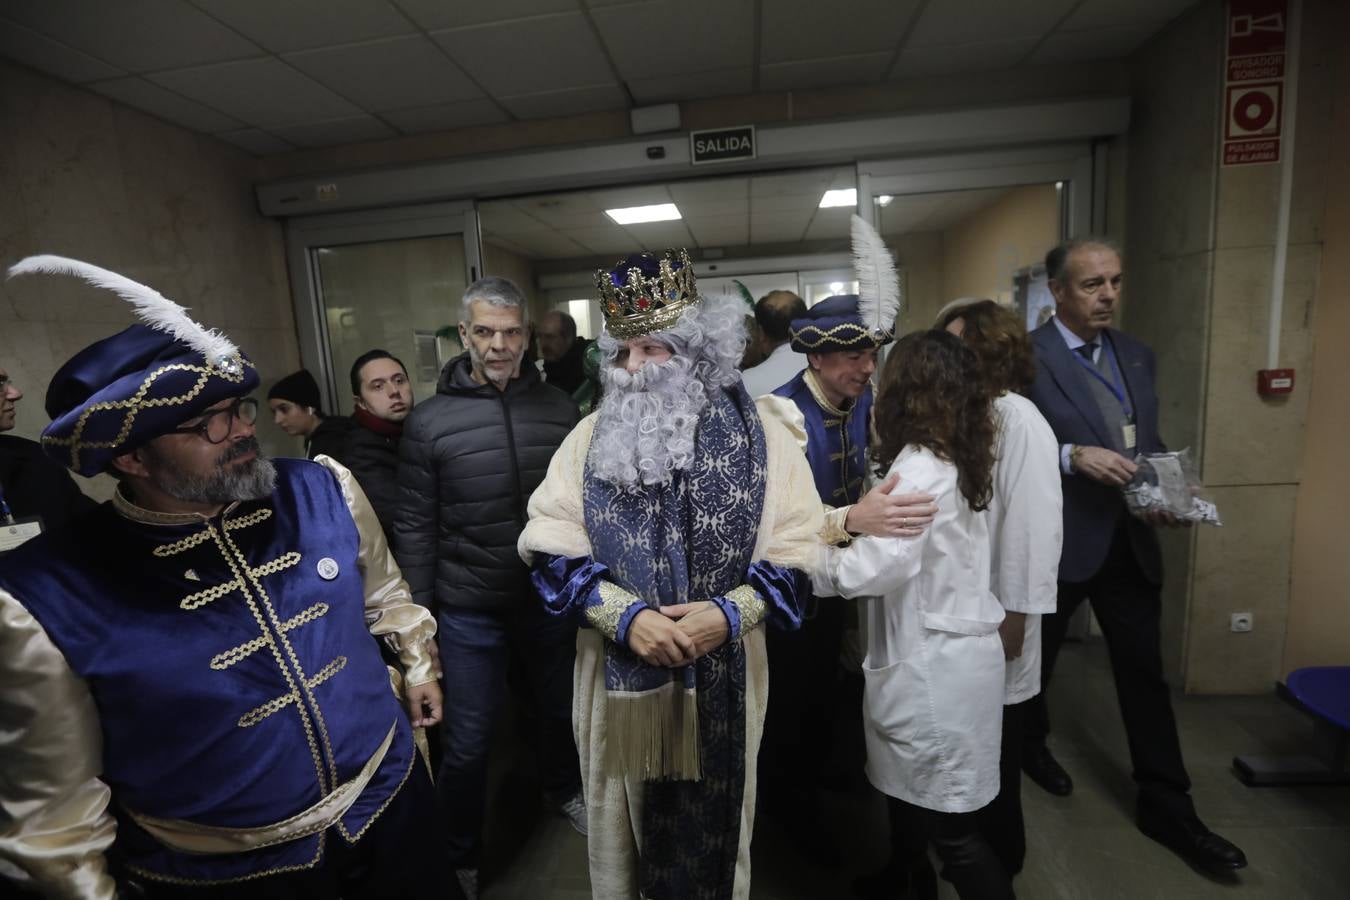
(722, 144)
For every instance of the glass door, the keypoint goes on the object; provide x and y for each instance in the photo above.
(979, 224)
(387, 279)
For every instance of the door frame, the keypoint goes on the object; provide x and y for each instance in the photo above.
(307, 234)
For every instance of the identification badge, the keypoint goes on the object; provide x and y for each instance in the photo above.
(1127, 430)
(19, 532)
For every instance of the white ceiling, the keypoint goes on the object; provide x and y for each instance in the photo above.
(739, 211)
(274, 75)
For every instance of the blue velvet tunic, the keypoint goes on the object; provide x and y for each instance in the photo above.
(836, 441)
(235, 679)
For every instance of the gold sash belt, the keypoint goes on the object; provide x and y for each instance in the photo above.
(190, 837)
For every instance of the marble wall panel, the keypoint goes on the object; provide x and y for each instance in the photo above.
(1241, 567)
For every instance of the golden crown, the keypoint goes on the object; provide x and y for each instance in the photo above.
(645, 294)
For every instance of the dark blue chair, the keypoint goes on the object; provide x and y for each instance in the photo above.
(1323, 692)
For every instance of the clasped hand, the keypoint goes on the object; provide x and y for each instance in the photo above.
(679, 634)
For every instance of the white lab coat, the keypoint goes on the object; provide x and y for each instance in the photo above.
(1026, 531)
(934, 667)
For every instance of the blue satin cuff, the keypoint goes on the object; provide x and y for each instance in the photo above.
(571, 585)
(732, 611)
(567, 585)
(783, 590)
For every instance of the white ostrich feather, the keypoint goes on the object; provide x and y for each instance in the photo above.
(156, 310)
(878, 280)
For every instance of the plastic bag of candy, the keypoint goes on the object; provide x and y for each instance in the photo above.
(1168, 482)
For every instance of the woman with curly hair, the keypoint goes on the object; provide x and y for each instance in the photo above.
(1026, 535)
(934, 664)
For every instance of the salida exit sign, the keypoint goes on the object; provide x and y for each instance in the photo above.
(722, 144)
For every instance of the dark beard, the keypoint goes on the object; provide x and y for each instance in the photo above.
(253, 481)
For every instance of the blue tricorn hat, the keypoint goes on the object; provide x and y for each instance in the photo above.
(834, 325)
(121, 392)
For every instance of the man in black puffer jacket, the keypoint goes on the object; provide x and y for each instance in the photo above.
(469, 459)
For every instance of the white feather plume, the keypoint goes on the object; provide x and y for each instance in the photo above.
(878, 280)
(156, 310)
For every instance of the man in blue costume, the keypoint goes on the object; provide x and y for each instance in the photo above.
(194, 703)
(673, 522)
(827, 407)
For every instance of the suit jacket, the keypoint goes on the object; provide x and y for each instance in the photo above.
(1092, 511)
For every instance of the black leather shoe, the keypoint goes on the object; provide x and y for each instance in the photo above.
(1042, 767)
(1195, 843)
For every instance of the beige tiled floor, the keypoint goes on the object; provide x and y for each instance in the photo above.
(1083, 847)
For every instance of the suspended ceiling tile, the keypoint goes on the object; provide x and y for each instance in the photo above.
(829, 223)
(264, 92)
(612, 240)
(443, 117)
(259, 143)
(810, 29)
(434, 14)
(676, 37)
(504, 217)
(570, 102)
(971, 21)
(136, 35)
(618, 198)
(24, 45)
(333, 132)
(779, 204)
(1104, 13)
(720, 231)
(661, 235)
(393, 73)
(1093, 44)
(155, 100)
(724, 197)
(791, 183)
(291, 25)
(776, 231)
(692, 86)
(954, 58)
(529, 56)
(549, 245)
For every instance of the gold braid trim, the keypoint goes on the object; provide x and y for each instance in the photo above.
(253, 518)
(186, 543)
(234, 558)
(201, 598)
(256, 715)
(224, 660)
(605, 615)
(251, 876)
(280, 564)
(750, 605)
(353, 838)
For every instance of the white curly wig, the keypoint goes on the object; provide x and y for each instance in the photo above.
(648, 419)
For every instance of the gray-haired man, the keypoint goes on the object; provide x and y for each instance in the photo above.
(469, 459)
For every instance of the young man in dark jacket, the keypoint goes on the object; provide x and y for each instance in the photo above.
(383, 398)
(469, 459)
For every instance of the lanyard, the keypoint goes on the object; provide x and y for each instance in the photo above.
(1125, 396)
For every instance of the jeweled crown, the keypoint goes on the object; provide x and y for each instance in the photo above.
(645, 293)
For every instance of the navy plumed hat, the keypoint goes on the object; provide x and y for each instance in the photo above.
(119, 393)
(861, 321)
(834, 325)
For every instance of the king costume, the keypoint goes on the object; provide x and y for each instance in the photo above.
(668, 754)
(199, 700)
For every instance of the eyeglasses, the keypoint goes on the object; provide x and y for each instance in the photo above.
(216, 425)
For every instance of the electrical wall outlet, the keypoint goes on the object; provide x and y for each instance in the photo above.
(1240, 622)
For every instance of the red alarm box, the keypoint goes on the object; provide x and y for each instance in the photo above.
(1272, 382)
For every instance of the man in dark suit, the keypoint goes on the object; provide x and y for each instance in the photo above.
(1096, 387)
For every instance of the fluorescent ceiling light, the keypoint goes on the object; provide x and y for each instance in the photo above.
(885, 200)
(636, 215)
(839, 197)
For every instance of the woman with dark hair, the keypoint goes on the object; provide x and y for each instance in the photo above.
(294, 401)
(1026, 535)
(934, 664)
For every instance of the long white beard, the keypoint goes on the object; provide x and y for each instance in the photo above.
(646, 425)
